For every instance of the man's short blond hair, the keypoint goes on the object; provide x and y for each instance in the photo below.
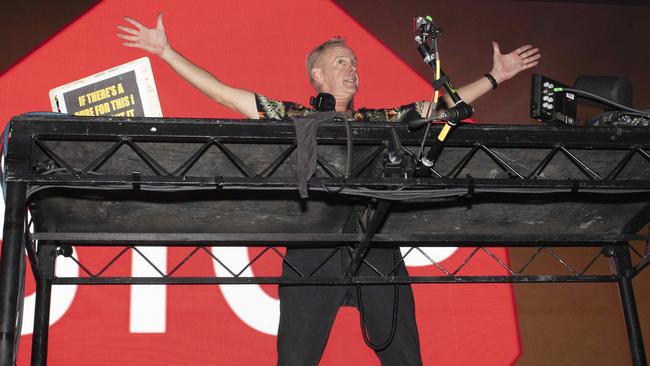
(313, 56)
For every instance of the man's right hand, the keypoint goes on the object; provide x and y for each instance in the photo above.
(153, 40)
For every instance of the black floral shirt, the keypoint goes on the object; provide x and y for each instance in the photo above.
(280, 110)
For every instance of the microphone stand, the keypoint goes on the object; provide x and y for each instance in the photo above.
(455, 114)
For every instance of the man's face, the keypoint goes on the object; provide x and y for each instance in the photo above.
(337, 68)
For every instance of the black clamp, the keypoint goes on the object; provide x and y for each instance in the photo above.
(470, 185)
(575, 185)
(64, 250)
(137, 177)
(440, 83)
(218, 182)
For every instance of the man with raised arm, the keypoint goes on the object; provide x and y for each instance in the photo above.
(308, 312)
(331, 69)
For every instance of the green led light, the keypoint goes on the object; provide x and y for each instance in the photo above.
(429, 18)
(555, 90)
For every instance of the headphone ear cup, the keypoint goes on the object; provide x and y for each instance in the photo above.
(323, 102)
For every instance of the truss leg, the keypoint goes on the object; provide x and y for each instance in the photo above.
(625, 271)
(12, 249)
(360, 251)
(41, 322)
(46, 258)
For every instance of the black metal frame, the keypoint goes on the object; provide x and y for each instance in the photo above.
(31, 134)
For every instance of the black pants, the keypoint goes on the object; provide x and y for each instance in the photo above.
(307, 313)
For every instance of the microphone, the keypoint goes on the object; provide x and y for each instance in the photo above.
(452, 116)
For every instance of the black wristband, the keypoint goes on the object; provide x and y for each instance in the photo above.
(493, 81)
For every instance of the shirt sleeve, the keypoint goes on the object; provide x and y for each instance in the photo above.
(402, 113)
(268, 108)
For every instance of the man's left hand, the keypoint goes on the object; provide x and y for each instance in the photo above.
(506, 66)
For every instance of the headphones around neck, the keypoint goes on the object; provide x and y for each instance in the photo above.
(323, 102)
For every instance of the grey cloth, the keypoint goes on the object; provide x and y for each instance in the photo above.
(306, 128)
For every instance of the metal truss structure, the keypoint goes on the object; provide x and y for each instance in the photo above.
(541, 190)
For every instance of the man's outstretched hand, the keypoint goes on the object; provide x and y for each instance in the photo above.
(506, 66)
(153, 40)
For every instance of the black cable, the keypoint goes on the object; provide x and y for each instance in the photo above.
(349, 142)
(362, 316)
(603, 100)
(348, 162)
(398, 195)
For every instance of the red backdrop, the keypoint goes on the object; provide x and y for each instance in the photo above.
(258, 45)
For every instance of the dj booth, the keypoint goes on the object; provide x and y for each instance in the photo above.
(201, 183)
